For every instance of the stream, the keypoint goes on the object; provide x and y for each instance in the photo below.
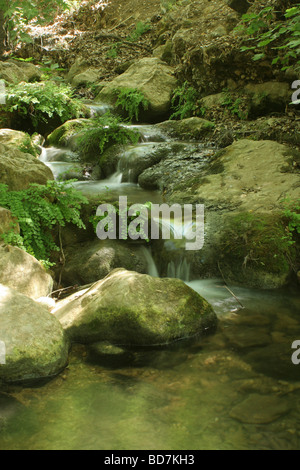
(237, 389)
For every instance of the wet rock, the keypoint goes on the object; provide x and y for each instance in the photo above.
(154, 79)
(35, 344)
(275, 360)
(18, 170)
(245, 337)
(23, 272)
(9, 407)
(127, 308)
(91, 261)
(260, 409)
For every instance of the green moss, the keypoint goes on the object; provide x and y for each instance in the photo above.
(62, 134)
(258, 241)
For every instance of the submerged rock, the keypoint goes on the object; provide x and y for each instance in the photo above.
(35, 344)
(21, 271)
(260, 409)
(127, 308)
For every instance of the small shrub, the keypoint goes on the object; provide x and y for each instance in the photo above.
(184, 102)
(131, 101)
(100, 133)
(38, 210)
(43, 101)
(140, 29)
(267, 35)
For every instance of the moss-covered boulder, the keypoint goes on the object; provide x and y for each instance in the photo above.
(190, 128)
(154, 78)
(23, 272)
(65, 135)
(132, 309)
(33, 342)
(18, 169)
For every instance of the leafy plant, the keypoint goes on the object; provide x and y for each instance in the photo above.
(38, 210)
(50, 70)
(18, 15)
(258, 240)
(266, 33)
(42, 101)
(184, 101)
(140, 29)
(102, 131)
(27, 146)
(131, 101)
(237, 106)
(291, 214)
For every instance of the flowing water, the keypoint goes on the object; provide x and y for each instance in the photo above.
(236, 389)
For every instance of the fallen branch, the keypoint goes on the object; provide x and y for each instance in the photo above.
(120, 24)
(226, 286)
(123, 41)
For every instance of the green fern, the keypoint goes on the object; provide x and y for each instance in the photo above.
(38, 210)
(131, 101)
(42, 101)
(102, 132)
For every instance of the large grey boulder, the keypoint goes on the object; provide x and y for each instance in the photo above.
(154, 78)
(18, 169)
(23, 272)
(33, 342)
(132, 309)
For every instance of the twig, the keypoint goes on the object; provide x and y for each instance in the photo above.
(226, 286)
(122, 41)
(63, 255)
(122, 22)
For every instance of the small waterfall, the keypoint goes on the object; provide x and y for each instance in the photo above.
(116, 178)
(179, 269)
(152, 269)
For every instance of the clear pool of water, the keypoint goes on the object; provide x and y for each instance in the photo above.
(237, 389)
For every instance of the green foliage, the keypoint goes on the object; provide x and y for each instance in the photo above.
(38, 210)
(50, 70)
(101, 132)
(113, 51)
(291, 214)
(18, 14)
(267, 34)
(237, 106)
(140, 29)
(258, 240)
(131, 101)
(27, 146)
(184, 102)
(42, 101)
